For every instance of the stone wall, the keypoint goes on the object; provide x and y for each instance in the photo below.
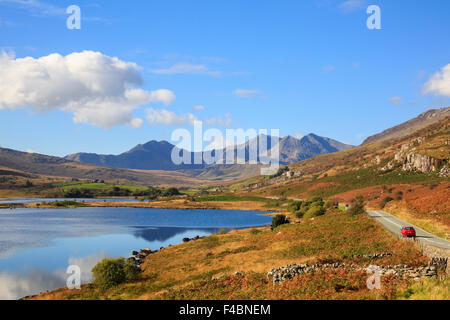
(282, 274)
(438, 257)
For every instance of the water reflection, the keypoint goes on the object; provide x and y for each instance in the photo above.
(37, 245)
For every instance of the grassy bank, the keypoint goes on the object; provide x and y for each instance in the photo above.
(205, 269)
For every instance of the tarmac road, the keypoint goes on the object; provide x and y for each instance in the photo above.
(394, 225)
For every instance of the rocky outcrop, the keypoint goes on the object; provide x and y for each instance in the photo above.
(410, 160)
(445, 172)
(421, 163)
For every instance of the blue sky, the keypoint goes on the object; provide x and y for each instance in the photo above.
(297, 66)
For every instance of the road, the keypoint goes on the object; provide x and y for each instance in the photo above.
(394, 225)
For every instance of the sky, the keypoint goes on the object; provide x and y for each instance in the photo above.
(138, 70)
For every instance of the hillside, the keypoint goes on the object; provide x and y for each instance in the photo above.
(408, 175)
(16, 163)
(423, 120)
(236, 265)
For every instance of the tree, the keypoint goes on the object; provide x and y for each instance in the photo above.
(112, 272)
(279, 220)
(172, 192)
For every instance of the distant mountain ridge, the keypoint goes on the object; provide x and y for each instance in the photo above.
(402, 130)
(18, 163)
(157, 155)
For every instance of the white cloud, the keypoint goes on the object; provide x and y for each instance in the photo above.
(395, 100)
(97, 89)
(246, 93)
(136, 123)
(199, 108)
(187, 68)
(169, 118)
(439, 83)
(162, 95)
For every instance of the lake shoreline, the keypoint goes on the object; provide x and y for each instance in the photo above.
(173, 204)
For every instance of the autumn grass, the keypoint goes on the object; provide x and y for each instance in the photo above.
(191, 270)
(354, 180)
(427, 289)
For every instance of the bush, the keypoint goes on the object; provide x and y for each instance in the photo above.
(222, 231)
(132, 272)
(171, 192)
(279, 220)
(112, 272)
(357, 206)
(399, 195)
(314, 211)
(385, 201)
(295, 206)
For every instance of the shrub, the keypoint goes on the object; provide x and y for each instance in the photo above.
(295, 206)
(112, 272)
(280, 172)
(171, 192)
(279, 220)
(316, 200)
(385, 201)
(132, 272)
(357, 206)
(314, 211)
(255, 231)
(399, 195)
(222, 231)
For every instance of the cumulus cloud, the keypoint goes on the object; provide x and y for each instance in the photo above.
(169, 118)
(98, 89)
(246, 93)
(162, 95)
(395, 100)
(439, 83)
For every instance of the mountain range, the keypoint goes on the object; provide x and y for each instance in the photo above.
(151, 163)
(156, 155)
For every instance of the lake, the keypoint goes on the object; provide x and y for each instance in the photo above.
(40, 200)
(37, 245)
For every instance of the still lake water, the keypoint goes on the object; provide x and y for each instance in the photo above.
(37, 245)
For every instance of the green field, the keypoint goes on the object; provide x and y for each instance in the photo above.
(99, 186)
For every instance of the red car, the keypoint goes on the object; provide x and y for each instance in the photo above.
(408, 232)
